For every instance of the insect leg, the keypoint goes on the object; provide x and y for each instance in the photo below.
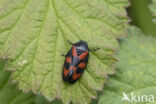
(94, 49)
(63, 55)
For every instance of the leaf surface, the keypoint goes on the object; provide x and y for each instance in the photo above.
(10, 94)
(136, 71)
(34, 34)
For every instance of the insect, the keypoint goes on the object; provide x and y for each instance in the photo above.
(76, 61)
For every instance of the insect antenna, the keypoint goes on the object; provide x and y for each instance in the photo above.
(69, 42)
(94, 49)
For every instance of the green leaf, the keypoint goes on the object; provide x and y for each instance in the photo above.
(136, 71)
(153, 9)
(10, 94)
(34, 34)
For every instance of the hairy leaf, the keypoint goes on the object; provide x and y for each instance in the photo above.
(34, 34)
(10, 94)
(153, 9)
(136, 71)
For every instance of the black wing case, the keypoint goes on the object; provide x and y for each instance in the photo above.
(66, 66)
(79, 69)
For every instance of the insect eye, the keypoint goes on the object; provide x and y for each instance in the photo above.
(79, 52)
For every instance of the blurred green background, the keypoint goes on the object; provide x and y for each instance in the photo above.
(141, 16)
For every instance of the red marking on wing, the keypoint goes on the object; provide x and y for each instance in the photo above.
(83, 55)
(65, 71)
(76, 76)
(68, 59)
(82, 65)
(72, 68)
(74, 53)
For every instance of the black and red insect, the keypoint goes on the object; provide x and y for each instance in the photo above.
(76, 61)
